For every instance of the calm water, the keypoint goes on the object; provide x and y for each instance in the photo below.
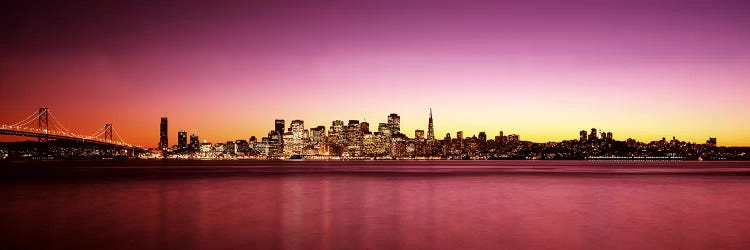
(394, 205)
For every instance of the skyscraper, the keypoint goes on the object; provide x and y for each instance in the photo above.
(163, 135)
(593, 136)
(419, 134)
(430, 129)
(297, 127)
(394, 123)
(365, 127)
(194, 142)
(279, 126)
(318, 134)
(384, 129)
(336, 133)
(182, 140)
(584, 135)
(482, 137)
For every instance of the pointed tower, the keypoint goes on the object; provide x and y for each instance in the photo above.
(430, 129)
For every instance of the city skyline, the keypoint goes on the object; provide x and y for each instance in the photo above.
(543, 69)
(165, 135)
(281, 126)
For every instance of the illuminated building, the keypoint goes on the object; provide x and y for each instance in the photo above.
(241, 146)
(430, 129)
(354, 138)
(194, 142)
(219, 147)
(163, 135)
(297, 127)
(394, 123)
(419, 134)
(230, 147)
(279, 126)
(384, 129)
(336, 133)
(206, 147)
(182, 140)
(289, 144)
(318, 134)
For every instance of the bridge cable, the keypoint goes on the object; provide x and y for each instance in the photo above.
(59, 123)
(118, 136)
(27, 120)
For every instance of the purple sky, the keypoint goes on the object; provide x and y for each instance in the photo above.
(543, 69)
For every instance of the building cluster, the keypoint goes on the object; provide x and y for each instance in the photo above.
(356, 139)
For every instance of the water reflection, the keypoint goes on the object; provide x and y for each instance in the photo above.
(342, 211)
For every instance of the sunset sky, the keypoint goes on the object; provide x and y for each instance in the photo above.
(542, 69)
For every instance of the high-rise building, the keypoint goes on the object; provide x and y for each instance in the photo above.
(297, 128)
(583, 135)
(394, 123)
(318, 134)
(711, 142)
(384, 129)
(279, 125)
(195, 144)
(182, 140)
(419, 134)
(501, 137)
(593, 135)
(460, 135)
(163, 134)
(430, 129)
(354, 138)
(482, 137)
(514, 138)
(365, 127)
(336, 133)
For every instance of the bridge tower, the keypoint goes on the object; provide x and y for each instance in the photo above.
(43, 123)
(108, 132)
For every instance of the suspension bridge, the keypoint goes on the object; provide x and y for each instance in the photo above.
(45, 126)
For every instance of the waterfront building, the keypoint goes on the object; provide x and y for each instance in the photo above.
(384, 129)
(318, 134)
(430, 129)
(419, 135)
(182, 140)
(593, 135)
(394, 123)
(163, 135)
(336, 133)
(279, 125)
(583, 135)
(194, 142)
(354, 137)
(482, 137)
(365, 127)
